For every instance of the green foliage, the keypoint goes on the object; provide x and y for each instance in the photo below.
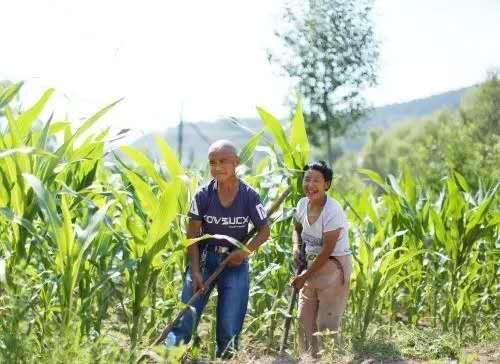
(295, 151)
(467, 142)
(329, 47)
(92, 251)
(450, 240)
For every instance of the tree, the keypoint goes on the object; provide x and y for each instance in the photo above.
(328, 46)
(467, 141)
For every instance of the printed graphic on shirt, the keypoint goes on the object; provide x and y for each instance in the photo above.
(312, 243)
(261, 211)
(194, 208)
(231, 222)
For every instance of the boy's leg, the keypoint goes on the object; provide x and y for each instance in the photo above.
(232, 286)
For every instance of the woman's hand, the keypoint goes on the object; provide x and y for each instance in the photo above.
(299, 281)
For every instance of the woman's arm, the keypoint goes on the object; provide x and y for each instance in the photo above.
(329, 241)
(297, 243)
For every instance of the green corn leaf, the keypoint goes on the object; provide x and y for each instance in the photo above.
(170, 158)
(147, 198)
(9, 93)
(409, 186)
(57, 127)
(88, 237)
(402, 260)
(143, 162)
(229, 239)
(461, 181)
(454, 201)
(46, 201)
(27, 118)
(14, 138)
(479, 213)
(395, 185)
(10, 215)
(439, 229)
(495, 219)
(93, 119)
(396, 280)
(136, 228)
(273, 125)
(298, 137)
(374, 176)
(64, 152)
(3, 271)
(167, 205)
(249, 148)
(95, 223)
(40, 138)
(275, 128)
(25, 151)
(163, 219)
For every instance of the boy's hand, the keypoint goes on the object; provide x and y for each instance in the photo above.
(236, 258)
(198, 283)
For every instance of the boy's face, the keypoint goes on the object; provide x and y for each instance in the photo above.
(223, 163)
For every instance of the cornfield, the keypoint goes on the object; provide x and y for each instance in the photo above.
(92, 243)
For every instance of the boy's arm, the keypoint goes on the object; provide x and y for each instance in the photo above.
(238, 256)
(193, 231)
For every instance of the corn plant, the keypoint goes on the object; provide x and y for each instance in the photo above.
(92, 244)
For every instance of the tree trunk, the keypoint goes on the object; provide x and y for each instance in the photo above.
(329, 144)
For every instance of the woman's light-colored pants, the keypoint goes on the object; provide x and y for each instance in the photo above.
(322, 302)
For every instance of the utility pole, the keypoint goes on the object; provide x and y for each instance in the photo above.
(180, 136)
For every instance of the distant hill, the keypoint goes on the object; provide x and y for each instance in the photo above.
(198, 136)
(385, 117)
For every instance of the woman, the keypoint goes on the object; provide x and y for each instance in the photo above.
(321, 228)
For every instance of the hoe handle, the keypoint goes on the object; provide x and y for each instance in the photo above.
(291, 306)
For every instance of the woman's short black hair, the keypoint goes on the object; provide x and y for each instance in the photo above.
(321, 167)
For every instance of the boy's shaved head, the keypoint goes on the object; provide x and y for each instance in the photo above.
(222, 144)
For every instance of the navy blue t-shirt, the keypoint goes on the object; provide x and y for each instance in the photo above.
(233, 220)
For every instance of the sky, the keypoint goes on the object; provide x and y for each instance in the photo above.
(206, 60)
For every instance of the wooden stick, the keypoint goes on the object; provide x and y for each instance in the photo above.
(293, 299)
(291, 306)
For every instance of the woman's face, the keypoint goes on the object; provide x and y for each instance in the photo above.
(314, 184)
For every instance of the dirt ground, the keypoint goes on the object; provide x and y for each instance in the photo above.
(485, 354)
(482, 354)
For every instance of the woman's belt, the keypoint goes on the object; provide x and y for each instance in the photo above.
(335, 260)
